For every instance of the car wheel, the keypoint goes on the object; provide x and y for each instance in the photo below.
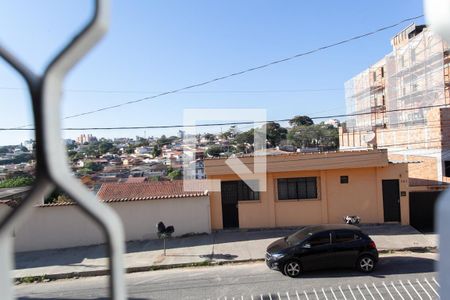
(292, 268)
(366, 264)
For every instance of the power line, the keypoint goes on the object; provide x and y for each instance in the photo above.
(357, 37)
(97, 91)
(224, 123)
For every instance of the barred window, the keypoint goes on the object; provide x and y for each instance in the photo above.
(297, 188)
(245, 192)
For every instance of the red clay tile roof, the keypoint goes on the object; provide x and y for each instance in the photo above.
(10, 203)
(115, 192)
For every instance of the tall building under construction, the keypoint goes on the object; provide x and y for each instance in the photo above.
(401, 103)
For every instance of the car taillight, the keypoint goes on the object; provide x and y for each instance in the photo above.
(372, 245)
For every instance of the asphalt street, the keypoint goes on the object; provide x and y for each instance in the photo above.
(398, 276)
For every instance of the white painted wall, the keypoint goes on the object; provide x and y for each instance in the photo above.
(66, 226)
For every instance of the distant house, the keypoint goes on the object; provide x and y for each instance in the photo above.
(112, 175)
(132, 161)
(143, 150)
(171, 153)
(154, 170)
(136, 179)
(116, 161)
(100, 161)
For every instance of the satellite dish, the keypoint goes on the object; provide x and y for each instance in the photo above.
(368, 137)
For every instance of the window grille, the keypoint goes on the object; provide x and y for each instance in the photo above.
(297, 188)
(52, 169)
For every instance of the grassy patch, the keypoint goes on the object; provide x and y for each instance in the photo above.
(31, 279)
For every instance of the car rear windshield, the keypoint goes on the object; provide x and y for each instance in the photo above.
(299, 236)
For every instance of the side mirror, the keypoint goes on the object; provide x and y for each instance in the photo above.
(306, 245)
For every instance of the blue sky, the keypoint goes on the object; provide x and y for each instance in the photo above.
(155, 46)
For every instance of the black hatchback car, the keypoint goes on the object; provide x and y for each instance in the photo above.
(323, 247)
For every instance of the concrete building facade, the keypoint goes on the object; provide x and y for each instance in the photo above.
(401, 104)
(313, 188)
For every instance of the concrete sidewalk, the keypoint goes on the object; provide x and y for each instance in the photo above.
(223, 246)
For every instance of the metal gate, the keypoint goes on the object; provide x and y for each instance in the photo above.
(421, 209)
(391, 200)
(230, 214)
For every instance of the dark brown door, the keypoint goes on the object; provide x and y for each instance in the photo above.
(230, 215)
(391, 200)
(421, 210)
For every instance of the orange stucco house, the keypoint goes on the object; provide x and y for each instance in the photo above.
(311, 188)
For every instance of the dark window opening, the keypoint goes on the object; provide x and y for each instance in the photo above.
(297, 188)
(344, 179)
(245, 193)
(447, 168)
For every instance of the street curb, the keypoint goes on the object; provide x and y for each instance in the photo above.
(52, 277)
(206, 263)
(427, 249)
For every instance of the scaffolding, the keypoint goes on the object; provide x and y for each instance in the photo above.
(386, 94)
(365, 98)
(415, 79)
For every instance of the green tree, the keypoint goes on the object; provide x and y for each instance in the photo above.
(156, 152)
(324, 137)
(21, 158)
(229, 134)
(142, 142)
(163, 140)
(91, 149)
(16, 182)
(76, 156)
(275, 133)
(71, 146)
(105, 147)
(215, 150)
(301, 121)
(209, 137)
(93, 166)
(129, 150)
(244, 141)
(175, 174)
(173, 139)
(71, 154)
(57, 196)
(4, 150)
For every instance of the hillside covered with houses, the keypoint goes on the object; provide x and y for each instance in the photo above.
(96, 161)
